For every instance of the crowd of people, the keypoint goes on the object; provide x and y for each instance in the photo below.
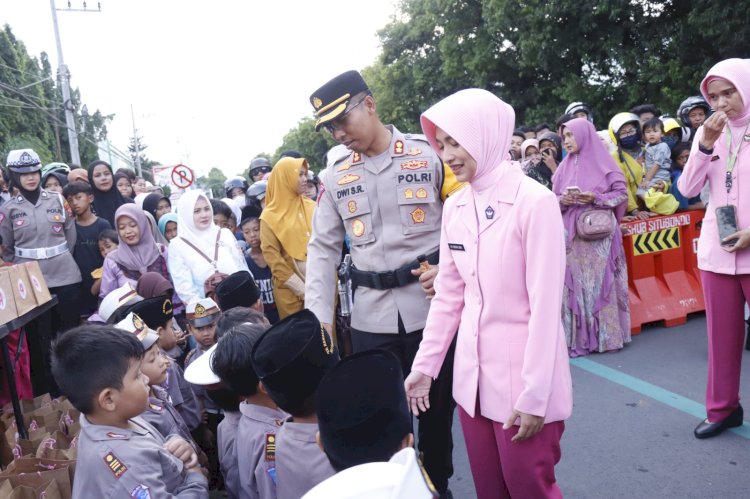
(203, 339)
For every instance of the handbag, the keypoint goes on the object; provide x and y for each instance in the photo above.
(209, 285)
(594, 224)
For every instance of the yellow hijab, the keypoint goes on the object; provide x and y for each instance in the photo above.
(288, 213)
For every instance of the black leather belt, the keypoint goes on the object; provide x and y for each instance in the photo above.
(391, 278)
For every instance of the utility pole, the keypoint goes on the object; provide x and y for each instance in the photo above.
(64, 75)
(136, 144)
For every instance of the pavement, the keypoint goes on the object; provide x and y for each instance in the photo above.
(631, 432)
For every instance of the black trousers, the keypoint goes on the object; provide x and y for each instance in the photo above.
(44, 329)
(435, 437)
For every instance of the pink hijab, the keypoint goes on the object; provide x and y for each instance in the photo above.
(481, 123)
(736, 72)
(142, 255)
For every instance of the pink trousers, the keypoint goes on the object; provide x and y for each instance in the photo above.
(504, 469)
(725, 297)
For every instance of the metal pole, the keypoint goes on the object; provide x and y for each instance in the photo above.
(64, 75)
(136, 144)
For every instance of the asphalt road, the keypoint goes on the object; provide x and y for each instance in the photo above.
(631, 433)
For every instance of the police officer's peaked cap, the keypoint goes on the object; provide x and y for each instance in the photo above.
(137, 326)
(292, 357)
(23, 161)
(362, 410)
(237, 290)
(331, 99)
(155, 312)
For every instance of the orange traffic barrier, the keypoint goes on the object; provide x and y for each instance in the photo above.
(663, 278)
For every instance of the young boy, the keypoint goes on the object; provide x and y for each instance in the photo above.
(86, 253)
(261, 271)
(239, 290)
(658, 155)
(290, 359)
(119, 454)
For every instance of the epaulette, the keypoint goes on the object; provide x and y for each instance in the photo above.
(416, 136)
(270, 447)
(336, 154)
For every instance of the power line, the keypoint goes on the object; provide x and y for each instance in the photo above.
(19, 70)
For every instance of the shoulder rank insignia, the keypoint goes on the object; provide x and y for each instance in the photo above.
(414, 151)
(398, 147)
(414, 164)
(115, 465)
(347, 179)
(155, 407)
(270, 447)
(343, 167)
(356, 158)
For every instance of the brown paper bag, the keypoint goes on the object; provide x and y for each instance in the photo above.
(49, 490)
(38, 284)
(34, 472)
(8, 310)
(22, 292)
(28, 406)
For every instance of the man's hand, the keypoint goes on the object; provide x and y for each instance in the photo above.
(427, 280)
(182, 450)
(530, 425)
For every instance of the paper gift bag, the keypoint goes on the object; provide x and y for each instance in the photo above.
(28, 406)
(34, 472)
(22, 292)
(38, 284)
(48, 490)
(8, 310)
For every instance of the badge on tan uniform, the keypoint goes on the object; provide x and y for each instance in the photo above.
(414, 151)
(351, 206)
(358, 227)
(418, 215)
(414, 164)
(409, 194)
(343, 167)
(270, 447)
(115, 465)
(347, 179)
(398, 147)
(421, 193)
(356, 158)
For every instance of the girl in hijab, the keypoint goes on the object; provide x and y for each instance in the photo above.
(157, 204)
(137, 254)
(596, 311)
(502, 261)
(720, 156)
(200, 248)
(285, 228)
(533, 163)
(123, 184)
(107, 199)
(168, 226)
(54, 182)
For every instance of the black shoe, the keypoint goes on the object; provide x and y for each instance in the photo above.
(747, 339)
(708, 430)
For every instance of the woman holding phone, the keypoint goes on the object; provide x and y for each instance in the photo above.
(502, 261)
(720, 155)
(593, 198)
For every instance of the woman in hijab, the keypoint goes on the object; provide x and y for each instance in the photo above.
(596, 311)
(168, 226)
(533, 163)
(285, 228)
(123, 184)
(107, 199)
(625, 132)
(54, 182)
(200, 249)
(157, 204)
(723, 257)
(502, 260)
(137, 254)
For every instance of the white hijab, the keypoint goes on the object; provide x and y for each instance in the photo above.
(205, 239)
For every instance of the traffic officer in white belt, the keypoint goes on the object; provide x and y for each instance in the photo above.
(39, 225)
(385, 191)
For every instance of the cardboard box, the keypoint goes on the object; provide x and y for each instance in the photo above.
(38, 284)
(22, 292)
(8, 310)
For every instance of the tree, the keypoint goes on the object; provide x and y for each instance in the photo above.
(147, 165)
(213, 182)
(305, 140)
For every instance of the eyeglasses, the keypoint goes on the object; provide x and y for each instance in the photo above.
(258, 170)
(627, 133)
(338, 123)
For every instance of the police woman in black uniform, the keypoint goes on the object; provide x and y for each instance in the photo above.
(37, 225)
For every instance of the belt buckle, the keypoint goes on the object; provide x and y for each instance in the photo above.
(388, 279)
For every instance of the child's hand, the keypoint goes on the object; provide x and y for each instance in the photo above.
(182, 450)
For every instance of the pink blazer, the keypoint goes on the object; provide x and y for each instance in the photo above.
(504, 286)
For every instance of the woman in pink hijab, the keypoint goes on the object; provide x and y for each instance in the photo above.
(502, 262)
(721, 156)
(596, 310)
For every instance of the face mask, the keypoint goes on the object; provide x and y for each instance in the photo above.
(239, 201)
(630, 142)
(670, 141)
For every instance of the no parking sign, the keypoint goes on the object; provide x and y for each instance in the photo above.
(182, 176)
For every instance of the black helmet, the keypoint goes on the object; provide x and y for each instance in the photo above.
(235, 183)
(688, 105)
(23, 161)
(257, 190)
(259, 165)
(576, 107)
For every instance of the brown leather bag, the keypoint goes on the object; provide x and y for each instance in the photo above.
(209, 285)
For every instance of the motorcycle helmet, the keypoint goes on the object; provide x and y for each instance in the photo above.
(259, 165)
(688, 105)
(618, 121)
(235, 183)
(577, 107)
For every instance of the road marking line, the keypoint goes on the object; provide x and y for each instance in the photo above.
(657, 393)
